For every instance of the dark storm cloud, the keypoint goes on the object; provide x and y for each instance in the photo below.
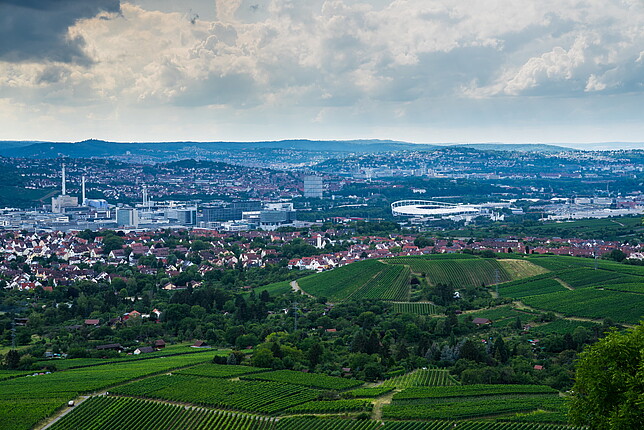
(37, 30)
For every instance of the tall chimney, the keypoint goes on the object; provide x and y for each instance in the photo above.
(64, 187)
(84, 199)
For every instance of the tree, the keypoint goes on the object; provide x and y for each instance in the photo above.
(12, 359)
(609, 383)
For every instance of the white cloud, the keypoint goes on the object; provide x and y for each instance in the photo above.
(321, 60)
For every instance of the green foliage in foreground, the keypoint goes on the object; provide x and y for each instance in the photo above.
(609, 387)
(107, 413)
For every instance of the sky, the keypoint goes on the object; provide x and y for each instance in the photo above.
(426, 71)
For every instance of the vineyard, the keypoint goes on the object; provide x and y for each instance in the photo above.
(219, 370)
(519, 269)
(416, 308)
(368, 392)
(331, 406)
(563, 326)
(586, 277)
(471, 390)
(311, 380)
(592, 303)
(582, 287)
(460, 272)
(392, 283)
(25, 401)
(519, 289)
(472, 407)
(421, 378)
(109, 413)
(338, 284)
(318, 423)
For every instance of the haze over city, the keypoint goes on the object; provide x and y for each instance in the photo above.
(521, 71)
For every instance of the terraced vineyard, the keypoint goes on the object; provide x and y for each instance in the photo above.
(368, 279)
(26, 400)
(592, 303)
(368, 392)
(331, 406)
(318, 423)
(253, 396)
(312, 380)
(219, 370)
(575, 288)
(459, 272)
(389, 284)
(109, 413)
(422, 378)
(523, 288)
(417, 308)
(465, 402)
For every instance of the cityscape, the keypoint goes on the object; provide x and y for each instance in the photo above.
(323, 215)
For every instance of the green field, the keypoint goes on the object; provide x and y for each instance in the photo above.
(275, 289)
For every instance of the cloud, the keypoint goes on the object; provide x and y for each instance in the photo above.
(327, 61)
(37, 30)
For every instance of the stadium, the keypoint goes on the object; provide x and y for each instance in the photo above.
(432, 209)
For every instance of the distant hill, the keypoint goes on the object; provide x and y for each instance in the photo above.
(99, 148)
(520, 147)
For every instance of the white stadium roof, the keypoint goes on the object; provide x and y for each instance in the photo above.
(430, 208)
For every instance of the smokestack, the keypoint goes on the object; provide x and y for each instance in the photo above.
(64, 188)
(145, 196)
(84, 199)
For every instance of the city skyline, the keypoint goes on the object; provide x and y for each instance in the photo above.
(424, 72)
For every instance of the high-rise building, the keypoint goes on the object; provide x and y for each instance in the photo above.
(313, 187)
(127, 217)
(187, 216)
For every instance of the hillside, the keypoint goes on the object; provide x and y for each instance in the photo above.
(570, 286)
(389, 279)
